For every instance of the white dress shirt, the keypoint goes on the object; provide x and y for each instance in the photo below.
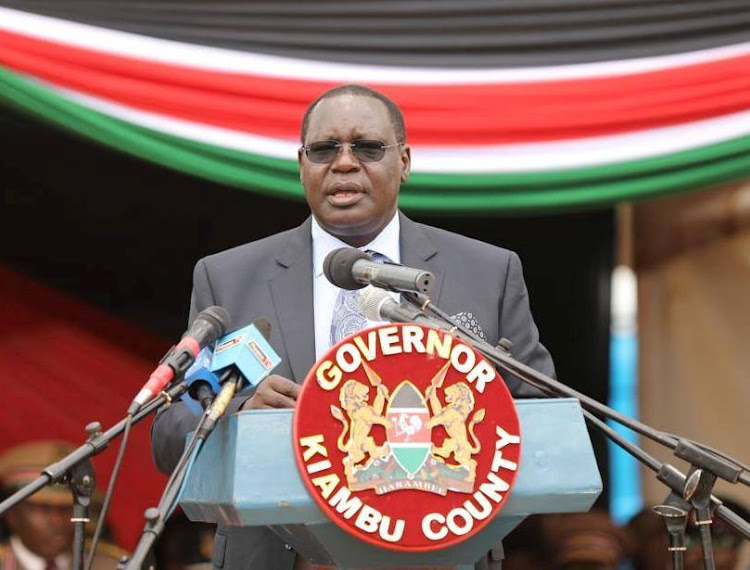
(324, 292)
(31, 561)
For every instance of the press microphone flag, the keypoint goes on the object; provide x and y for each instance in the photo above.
(350, 268)
(205, 329)
(246, 351)
(202, 382)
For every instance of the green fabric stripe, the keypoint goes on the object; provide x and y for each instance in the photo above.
(576, 176)
(141, 142)
(648, 185)
(715, 164)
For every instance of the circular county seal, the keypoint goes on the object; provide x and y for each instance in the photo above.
(407, 437)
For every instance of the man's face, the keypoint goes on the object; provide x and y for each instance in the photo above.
(46, 530)
(350, 199)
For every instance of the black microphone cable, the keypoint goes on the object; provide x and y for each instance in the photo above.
(110, 491)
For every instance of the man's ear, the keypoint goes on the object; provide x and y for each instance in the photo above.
(405, 162)
(300, 152)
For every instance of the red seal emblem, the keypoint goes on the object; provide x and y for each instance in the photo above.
(407, 437)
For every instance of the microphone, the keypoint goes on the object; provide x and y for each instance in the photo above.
(378, 305)
(245, 352)
(205, 329)
(202, 383)
(350, 268)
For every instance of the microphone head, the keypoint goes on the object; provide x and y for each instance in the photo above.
(338, 266)
(217, 316)
(208, 325)
(370, 302)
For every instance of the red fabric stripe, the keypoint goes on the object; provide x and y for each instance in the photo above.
(436, 114)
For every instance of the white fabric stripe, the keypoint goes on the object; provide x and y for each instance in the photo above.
(225, 60)
(200, 132)
(584, 152)
(526, 157)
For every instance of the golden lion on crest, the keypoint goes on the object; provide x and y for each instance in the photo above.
(354, 398)
(453, 417)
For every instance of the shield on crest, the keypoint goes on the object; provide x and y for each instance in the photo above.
(409, 439)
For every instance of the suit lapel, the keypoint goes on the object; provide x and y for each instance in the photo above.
(418, 250)
(292, 294)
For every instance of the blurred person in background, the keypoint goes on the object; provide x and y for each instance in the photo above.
(652, 541)
(39, 530)
(567, 541)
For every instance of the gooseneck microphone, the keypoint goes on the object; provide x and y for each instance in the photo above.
(209, 325)
(378, 305)
(350, 268)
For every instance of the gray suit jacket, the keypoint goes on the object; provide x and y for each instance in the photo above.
(272, 277)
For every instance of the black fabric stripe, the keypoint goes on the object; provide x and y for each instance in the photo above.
(416, 8)
(479, 40)
(468, 33)
(429, 23)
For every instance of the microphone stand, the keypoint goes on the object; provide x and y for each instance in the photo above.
(156, 517)
(698, 491)
(75, 469)
(707, 465)
(674, 511)
(82, 483)
(98, 442)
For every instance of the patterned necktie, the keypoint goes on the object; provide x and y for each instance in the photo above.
(347, 317)
(377, 257)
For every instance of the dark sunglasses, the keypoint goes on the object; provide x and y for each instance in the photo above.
(365, 150)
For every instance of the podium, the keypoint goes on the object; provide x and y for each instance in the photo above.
(246, 475)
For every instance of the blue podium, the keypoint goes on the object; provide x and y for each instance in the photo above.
(246, 475)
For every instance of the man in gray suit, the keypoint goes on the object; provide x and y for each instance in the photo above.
(352, 162)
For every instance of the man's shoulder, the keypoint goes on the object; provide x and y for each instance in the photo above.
(465, 248)
(255, 252)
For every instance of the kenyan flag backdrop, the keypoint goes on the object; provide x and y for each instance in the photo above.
(510, 104)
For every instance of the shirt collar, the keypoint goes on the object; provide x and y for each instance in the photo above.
(386, 242)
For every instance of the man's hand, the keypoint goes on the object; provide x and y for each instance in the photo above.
(274, 392)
